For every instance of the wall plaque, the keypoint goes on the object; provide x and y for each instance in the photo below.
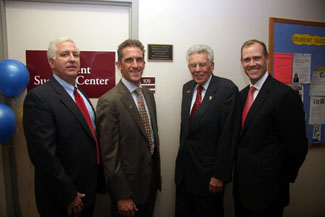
(160, 52)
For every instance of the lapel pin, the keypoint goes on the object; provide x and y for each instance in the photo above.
(210, 98)
(188, 91)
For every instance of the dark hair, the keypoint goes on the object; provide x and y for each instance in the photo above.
(251, 42)
(129, 43)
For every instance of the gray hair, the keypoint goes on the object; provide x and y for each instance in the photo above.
(200, 48)
(51, 51)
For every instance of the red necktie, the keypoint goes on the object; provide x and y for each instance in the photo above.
(197, 101)
(82, 106)
(249, 102)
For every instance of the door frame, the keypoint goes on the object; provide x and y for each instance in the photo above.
(8, 182)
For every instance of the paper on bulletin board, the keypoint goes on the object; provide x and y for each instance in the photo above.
(317, 86)
(317, 134)
(317, 110)
(282, 67)
(302, 67)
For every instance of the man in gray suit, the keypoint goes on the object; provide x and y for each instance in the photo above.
(127, 124)
(209, 129)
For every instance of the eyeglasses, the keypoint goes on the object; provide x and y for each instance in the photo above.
(201, 65)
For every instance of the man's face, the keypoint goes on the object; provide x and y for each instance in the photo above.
(200, 67)
(66, 64)
(254, 62)
(132, 64)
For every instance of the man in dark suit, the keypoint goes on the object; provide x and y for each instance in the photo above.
(273, 142)
(127, 123)
(61, 145)
(208, 136)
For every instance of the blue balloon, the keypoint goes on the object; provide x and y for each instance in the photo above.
(14, 77)
(7, 123)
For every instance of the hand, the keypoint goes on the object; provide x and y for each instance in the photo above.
(76, 205)
(127, 207)
(215, 185)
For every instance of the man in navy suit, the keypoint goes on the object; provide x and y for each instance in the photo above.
(61, 145)
(273, 142)
(210, 125)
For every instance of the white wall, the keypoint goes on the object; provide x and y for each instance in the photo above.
(224, 25)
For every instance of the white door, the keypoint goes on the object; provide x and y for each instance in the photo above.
(31, 26)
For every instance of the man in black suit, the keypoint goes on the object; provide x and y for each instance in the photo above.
(273, 142)
(207, 140)
(62, 145)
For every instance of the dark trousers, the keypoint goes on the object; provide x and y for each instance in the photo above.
(146, 209)
(189, 205)
(86, 212)
(241, 211)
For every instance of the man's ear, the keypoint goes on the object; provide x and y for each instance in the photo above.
(118, 65)
(51, 63)
(212, 66)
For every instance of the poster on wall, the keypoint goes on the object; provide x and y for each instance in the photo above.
(96, 76)
(297, 51)
(282, 69)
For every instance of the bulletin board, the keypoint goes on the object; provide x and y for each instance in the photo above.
(296, 47)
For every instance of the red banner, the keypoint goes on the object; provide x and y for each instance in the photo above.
(96, 76)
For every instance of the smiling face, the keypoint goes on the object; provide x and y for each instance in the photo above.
(200, 67)
(254, 62)
(66, 64)
(132, 64)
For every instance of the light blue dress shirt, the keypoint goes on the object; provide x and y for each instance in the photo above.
(69, 89)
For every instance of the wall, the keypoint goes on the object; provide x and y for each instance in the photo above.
(224, 25)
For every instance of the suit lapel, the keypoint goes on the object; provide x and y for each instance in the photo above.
(187, 100)
(206, 101)
(258, 102)
(68, 102)
(130, 105)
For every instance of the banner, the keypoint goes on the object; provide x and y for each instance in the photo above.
(96, 76)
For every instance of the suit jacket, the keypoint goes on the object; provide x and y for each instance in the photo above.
(272, 146)
(60, 146)
(207, 144)
(126, 155)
